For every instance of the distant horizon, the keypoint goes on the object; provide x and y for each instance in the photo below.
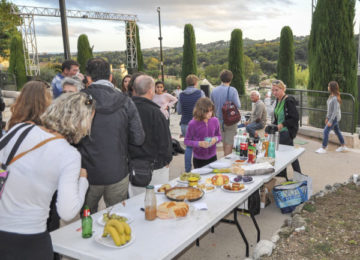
(168, 47)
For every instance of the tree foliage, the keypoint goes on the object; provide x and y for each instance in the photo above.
(286, 60)
(140, 58)
(189, 64)
(85, 52)
(8, 23)
(17, 61)
(236, 61)
(332, 50)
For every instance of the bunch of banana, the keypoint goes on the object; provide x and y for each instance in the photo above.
(119, 231)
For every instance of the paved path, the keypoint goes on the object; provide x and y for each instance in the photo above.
(226, 243)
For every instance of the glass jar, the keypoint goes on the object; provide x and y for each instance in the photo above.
(150, 203)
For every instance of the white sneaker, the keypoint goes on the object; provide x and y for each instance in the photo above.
(320, 150)
(342, 149)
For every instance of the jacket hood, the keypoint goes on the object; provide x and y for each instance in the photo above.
(189, 90)
(108, 99)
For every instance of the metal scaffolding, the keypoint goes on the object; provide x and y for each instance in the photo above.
(30, 46)
(27, 14)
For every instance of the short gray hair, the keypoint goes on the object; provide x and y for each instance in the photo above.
(256, 92)
(142, 84)
(74, 81)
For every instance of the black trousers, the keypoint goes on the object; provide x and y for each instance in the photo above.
(198, 163)
(286, 140)
(53, 221)
(14, 246)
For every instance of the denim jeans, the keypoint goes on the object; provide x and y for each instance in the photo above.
(327, 129)
(188, 150)
(252, 127)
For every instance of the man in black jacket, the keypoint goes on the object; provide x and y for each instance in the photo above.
(115, 126)
(157, 148)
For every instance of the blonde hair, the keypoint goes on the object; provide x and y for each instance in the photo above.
(279, 84)
(202, 107)
(70, 115)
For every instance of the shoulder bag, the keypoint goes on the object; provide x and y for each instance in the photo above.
(231, 114)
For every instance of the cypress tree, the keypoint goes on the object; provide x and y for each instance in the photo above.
(84, 52)
(189, 65)
(286, 60)
(236, 61)
(17, 61)
(140, 59)
(332, 50)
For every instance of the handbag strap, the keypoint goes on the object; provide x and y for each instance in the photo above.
(16, 145)
(10, 135)
(35, 147)
(227, 96)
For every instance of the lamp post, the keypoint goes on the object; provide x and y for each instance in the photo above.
(64, 28)
(161, 53)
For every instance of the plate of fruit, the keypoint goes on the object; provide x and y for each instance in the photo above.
(116, 234)
(234, 187)
(186, 175)
(123, 217)
(219, 179)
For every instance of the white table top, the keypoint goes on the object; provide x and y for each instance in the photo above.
(162, 239)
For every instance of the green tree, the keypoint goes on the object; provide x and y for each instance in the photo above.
(286, 62)
(249, 66)
(85, 52)
(8, 23)
(17, 61)
(332, 51)
(236, 61)
(140, 59)
(189, 65)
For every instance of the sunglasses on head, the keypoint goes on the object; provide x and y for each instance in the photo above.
(276, 82)
(89, 100)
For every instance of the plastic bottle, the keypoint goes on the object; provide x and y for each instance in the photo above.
(271, 150)
(265, 144)
(86, 223)
(150, 203)
(244, 147)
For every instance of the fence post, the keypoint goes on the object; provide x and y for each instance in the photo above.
(301, 107)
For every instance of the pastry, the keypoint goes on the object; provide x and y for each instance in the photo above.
(171, 209)
(182, 193)
(164, 188)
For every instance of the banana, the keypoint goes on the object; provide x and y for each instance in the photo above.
(105, 233)
(123, 239)
(114, 234)
(127, 237)
(118, 225)
(127, 229)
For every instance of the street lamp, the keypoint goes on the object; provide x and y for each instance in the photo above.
(64, 28)
(161, 53)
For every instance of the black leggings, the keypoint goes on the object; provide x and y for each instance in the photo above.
(286, 140)
(14, 246)
(198, 163)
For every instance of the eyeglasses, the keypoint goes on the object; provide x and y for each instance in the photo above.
(89, 100)
(276, 82)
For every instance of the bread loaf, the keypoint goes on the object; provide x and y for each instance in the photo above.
(172, 209)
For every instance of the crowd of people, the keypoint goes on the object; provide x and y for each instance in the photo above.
(70, 144)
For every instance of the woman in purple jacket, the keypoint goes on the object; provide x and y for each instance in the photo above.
(203, 133)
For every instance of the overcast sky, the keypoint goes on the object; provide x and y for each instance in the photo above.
(213, 20)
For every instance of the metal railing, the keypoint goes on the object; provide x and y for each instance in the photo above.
(314, 101)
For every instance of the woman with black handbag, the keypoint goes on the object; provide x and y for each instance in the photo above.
(37, 161)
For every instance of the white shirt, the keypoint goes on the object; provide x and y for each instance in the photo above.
(33, 179)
